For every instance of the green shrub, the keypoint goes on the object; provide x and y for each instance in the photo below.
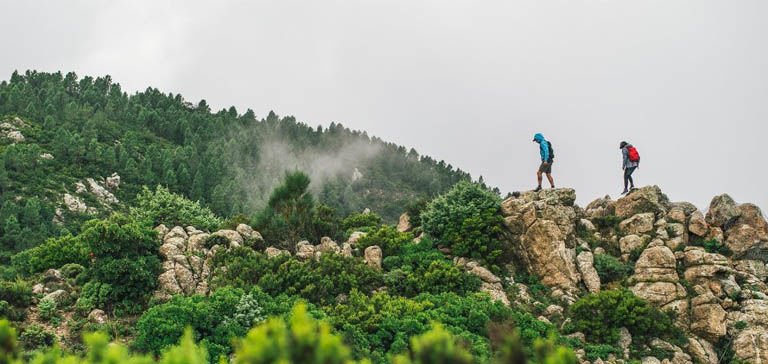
(72, 270)
(46, 309)
(714, 246)
(35, 337)
(600, 316)
(299, 340)
(387, 238)
(611, 269)
(9, 347)
(213, 240)
(601, 351)
(361, 222)
(420, 268)
(289, 215)
(17, 293)
(125, 257)
(435, 346)
(52, 254)
(467, 219)
(164, 207)
(321, 281)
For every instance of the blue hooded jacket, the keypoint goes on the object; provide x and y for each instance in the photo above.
(543, 146)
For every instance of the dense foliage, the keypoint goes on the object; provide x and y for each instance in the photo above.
(164, 207)
(228, 160)
(600, 316)
(467, 220)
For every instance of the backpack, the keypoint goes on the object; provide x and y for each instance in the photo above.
(632, 153)
(551, 152)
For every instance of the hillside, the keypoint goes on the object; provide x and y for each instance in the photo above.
(59, 131)
(298, 245)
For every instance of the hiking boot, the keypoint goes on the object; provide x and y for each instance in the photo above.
(625, 192)
(537, 189)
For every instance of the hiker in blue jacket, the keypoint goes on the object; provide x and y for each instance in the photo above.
(547, 157)
(630, 162)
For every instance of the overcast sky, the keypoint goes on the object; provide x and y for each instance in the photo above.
(469, 82)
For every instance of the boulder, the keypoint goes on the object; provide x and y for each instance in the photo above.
(587, 225)
(247, 232)
(585, 263)
(702, 351)
(643, 200)
(722, 209)
(496, 291)
(708, 317)
(750, 214)
(547, 256)
(659, 293)
(404, 224)
(305, 250)
(638, 224)
(656, 264)
(676, 214)
(176, 232)
(113, 182)
(630, 243)
(625, 341)
(328, 246)
(751, 345)
(101, 193)
(601, 207)
(74, 204)
(698, 225)
(59, 296)
(272, 252)
(373, 256)
(98, 316)
(355, 237)
(161, 231)
(346, 250)
(235, 239)
(744, 240)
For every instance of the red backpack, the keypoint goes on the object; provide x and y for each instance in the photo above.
(632, 153)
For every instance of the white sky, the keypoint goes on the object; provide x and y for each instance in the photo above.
(469, 82)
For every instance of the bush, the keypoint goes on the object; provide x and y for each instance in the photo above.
(125, 258)
(35, 337)
(52, 254)
(435, 346)
(46, 309)
(607, 222)
(9, 349)
(299, 340)
(17, 293)
(289, 215)
(611, 269)
(321, 281)
(72, 270)
(213, 240)
(467, 219)
(361, 222)
(600, 316)
(420, 268)
(164, 207)
(382, 325)
(387, 238)
(715, 247)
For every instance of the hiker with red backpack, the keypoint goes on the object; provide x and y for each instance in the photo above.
(631, 161)
(547, 157)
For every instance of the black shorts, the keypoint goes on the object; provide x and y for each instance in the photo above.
(545, 167)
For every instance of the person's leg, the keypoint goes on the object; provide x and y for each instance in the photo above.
(551, 180)
(538, 176)
(629, 177)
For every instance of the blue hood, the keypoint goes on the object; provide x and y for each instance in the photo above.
(538, 137)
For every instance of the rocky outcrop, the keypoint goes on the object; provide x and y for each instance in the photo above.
(187, 260)
(373, 256)
(404, 224)
(722, 210)
(100, 192)
(541, 226)
(585, 262)
(644, 200)
(10, 129)
(491, 283)
(74, 204)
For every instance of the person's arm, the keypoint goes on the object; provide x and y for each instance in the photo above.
(625, 158)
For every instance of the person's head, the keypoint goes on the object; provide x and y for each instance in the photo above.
(623, 144)
(538, 137)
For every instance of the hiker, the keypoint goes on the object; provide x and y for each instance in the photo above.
(630, 162)
(547, 157)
